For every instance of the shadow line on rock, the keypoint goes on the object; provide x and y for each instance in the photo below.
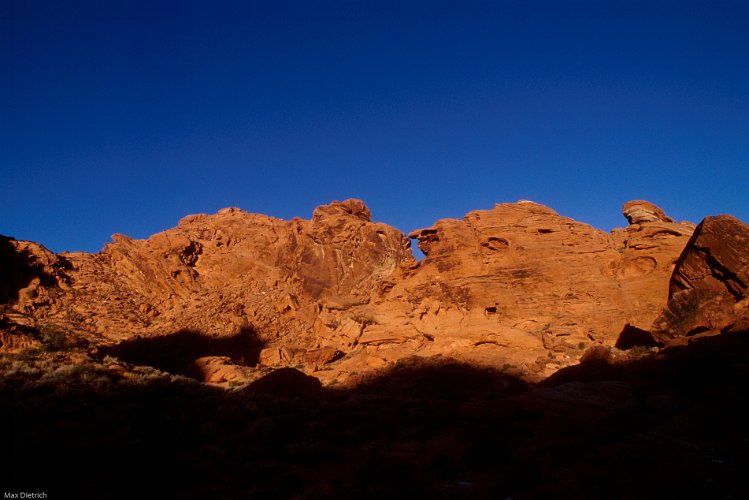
(430, 427)
(17, 271)
(631, 336)
(176, 353)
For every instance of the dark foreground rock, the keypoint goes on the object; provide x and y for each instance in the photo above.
(666, 425)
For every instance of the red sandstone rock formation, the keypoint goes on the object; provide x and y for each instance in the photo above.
(709, 289)
(219, 273)
(521, 285)
(517, 285)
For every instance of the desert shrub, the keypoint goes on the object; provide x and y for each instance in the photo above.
(56, 339)
(639, 350)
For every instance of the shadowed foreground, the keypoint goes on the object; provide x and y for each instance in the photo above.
(670, 425)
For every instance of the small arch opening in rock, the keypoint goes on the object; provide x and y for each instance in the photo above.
(417, 253)
(424, 239)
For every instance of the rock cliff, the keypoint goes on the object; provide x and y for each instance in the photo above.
(518, 285)
(524, 285)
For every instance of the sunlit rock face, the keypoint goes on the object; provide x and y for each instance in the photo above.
(518, 285)
(218, 273)
(522, 282)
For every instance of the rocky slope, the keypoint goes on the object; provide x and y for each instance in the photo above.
(517, 285)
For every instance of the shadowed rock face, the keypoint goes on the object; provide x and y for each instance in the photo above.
(24, 267)
(709, 289)
(517, 285)
(667, 425)
(715, 258)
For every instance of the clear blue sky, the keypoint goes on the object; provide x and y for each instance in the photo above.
(124, 116)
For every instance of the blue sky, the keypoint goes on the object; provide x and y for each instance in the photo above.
(124, 116)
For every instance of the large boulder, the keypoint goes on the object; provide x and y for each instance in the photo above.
(715, 258)
(640, 211)
(709, 288)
